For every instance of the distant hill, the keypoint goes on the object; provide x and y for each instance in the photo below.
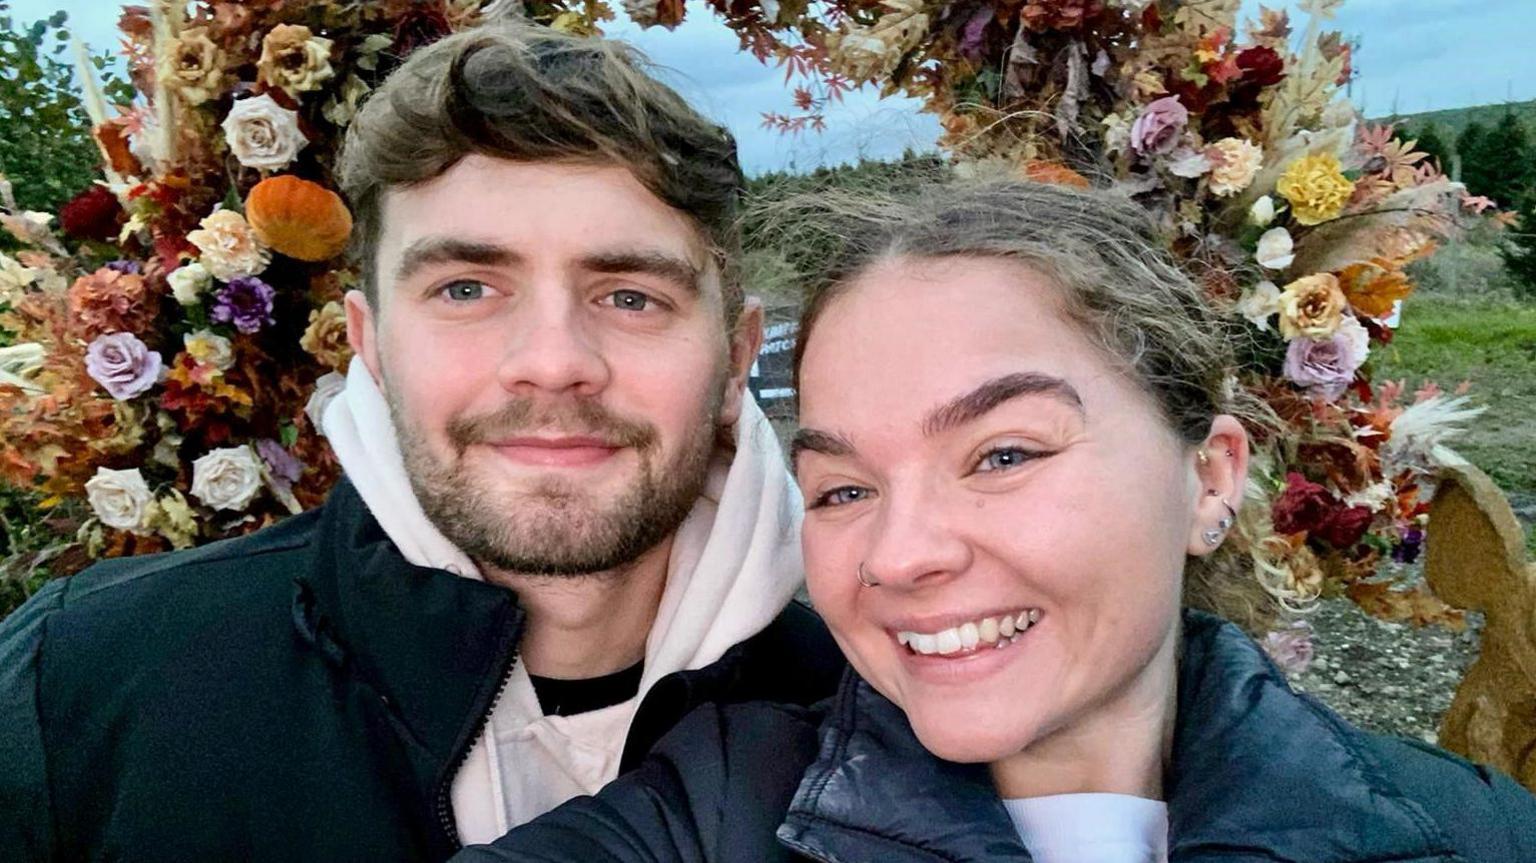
(1452, 120)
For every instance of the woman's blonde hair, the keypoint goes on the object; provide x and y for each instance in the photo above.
(1116, 281)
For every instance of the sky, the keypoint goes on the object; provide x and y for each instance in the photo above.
(1415, 55)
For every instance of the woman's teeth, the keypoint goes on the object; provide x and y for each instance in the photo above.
(995, 631)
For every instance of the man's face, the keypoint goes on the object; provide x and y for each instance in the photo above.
(552, 343)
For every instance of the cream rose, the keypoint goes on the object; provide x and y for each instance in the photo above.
(188, 282)
(1234, 162)
(230, 247)
(227, 478)
(1276, 249)
(1312, 306)
(192, 65)
(263, 134)
(294, 59)
(210, 349)
(327, 388)
(120, 498)
(1259, 303)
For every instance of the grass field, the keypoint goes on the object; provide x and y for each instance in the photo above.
(1491, 342)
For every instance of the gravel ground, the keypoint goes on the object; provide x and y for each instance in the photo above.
(1386, 677)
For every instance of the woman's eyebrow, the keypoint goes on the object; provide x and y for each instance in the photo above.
(812, 440)
(979, 401)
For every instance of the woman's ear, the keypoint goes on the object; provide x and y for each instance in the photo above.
(1220, 464)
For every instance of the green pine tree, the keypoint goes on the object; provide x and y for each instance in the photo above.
(1507, 150)
(1519, 251)
(1431, 144)
(1469, 148)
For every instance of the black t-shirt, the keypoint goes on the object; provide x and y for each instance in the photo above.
(570, 697)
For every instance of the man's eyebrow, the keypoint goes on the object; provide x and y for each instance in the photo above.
(428, 251)
(664, 265)
(979, 401)
(812, 440)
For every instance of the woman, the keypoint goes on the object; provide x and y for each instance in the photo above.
(1023, 469)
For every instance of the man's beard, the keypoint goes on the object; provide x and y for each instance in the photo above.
(555, 527)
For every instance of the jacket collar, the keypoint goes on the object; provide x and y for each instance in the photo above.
(1258, 773)
(431, 646)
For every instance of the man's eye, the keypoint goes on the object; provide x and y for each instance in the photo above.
(841, 496)
(463, 291)
(630, 301)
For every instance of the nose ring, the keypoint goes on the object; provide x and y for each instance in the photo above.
(864, 577)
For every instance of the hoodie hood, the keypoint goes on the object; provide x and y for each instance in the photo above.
(735, 563)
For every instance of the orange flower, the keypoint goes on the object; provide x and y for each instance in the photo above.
(1372, 288)
(1054, 173)
(298, 218)
(108, 301)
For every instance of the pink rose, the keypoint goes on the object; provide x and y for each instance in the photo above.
(122, 364)
(1157, 129)
(1328, 366)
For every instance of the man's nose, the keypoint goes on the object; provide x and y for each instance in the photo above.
(553, 348)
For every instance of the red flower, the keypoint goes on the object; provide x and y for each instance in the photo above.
(91, 215)
(1303, 507)
(1345, 526)
(420, 26)
(1261, 66)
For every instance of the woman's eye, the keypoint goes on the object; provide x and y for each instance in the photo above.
(463, 291)
(1004, 458)
(630, 301)
(841, 496)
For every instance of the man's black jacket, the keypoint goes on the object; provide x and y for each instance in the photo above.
(303, 693)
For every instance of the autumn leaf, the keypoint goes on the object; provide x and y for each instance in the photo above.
(1374, 287)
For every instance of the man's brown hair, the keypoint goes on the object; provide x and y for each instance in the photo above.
(515, 91)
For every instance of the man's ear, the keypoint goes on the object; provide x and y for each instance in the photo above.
(746, 340)
(363, 332)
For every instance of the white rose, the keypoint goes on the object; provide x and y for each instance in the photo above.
(188, 283)
(227, 478)
(263, 134)
(1258, 303)
(327, 388)
(120, 498)
(1189, 163)
(1262, 212)
(1276, 250)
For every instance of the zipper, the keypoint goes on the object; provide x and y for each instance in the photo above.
(444, 803)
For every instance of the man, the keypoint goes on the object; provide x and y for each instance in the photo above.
(564, 523)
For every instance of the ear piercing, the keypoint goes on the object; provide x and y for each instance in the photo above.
(864, 578)
(1212, 536)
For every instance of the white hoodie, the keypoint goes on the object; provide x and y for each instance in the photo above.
(735, 564)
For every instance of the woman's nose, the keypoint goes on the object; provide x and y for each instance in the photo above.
(913, 544)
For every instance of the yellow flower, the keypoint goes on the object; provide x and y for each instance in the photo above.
(294, 60)
(325, 338)
(192, 65)
(1312, 306)
(1316, 187)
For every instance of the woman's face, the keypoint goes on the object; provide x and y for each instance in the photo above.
(983, 462)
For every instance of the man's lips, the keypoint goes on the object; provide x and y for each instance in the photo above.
(576, 451)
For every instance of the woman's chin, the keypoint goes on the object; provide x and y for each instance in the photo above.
(954, 738)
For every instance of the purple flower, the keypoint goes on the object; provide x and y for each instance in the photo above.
(1411, 544)
(283, 465)
(122, 364)
(127, 267)
(245, 302)
(1157, 129)
(1328, 366)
